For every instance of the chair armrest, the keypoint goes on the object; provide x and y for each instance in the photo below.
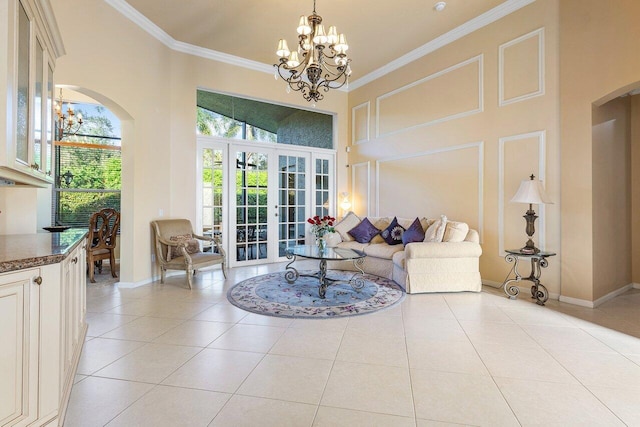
(215, 240)
(442, 250)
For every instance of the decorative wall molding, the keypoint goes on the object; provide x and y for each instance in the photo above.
(479, 59)
(355, 166)
(467, 28)
(541, 229)
(366, 105)
(539, 33)
(479, 145)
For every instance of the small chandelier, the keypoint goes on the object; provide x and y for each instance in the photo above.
(324, 64)
(68, 124)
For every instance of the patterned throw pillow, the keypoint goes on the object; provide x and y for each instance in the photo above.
(415, 233)
(192, 246)
(393, 233)
(364, 232)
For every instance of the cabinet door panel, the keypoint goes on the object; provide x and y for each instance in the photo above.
(18, 335)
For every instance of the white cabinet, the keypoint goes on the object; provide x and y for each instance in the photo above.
(42, 329)
(29, 45)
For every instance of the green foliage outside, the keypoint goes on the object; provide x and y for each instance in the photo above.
(92, 169)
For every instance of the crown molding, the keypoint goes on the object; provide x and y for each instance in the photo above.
(468, 27)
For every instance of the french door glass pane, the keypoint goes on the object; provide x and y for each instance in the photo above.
(292, 214)
(212, 221)
(322, 187)
(252, 179)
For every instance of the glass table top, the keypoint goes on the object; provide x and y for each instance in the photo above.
(335, 254)
(542, 254)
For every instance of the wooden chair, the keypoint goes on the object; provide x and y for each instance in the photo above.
(101, 241)
(164, 230)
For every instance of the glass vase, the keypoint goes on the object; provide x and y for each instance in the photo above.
(321, 244)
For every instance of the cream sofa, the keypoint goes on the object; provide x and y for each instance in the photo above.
(426, 266)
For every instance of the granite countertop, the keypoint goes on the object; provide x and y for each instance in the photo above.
(21, 251)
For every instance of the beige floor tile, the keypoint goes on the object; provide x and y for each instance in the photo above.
(448, 356)
(100, 352)
(143, 329)
(376, 325)
(369, 388)
(330, 417)
(194, 333)
(536, 315)
(249, 338)
(523, 363)
(246, 411)
(79, 378)
(434, 329)
(215, 370)
(431, 423)
(560, 338)
(288, 378)
(624, 402)
(301, 343)
(172, 406)
(325, 325)
(259, 319)
(179, 309)
(96, 401)
(459, 398)
(618, 341)
(101, 323)
(482, 313)
(151, 363)
(222, 312)
(600, 369)
(497, 333)
(384, 350)
(541, 403)
(104, 303)
(135, 307)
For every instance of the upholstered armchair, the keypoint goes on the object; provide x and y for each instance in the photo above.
(177, 247)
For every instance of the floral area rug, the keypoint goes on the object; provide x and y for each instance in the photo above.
(272, 295)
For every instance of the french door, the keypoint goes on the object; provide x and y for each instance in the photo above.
(257, 198)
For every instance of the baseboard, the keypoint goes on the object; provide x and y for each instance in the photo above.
(636, 285)
(170, 273)
(601, 300)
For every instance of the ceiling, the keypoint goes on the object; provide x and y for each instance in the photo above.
(378, 32)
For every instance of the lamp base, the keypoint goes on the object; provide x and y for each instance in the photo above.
(529, 248)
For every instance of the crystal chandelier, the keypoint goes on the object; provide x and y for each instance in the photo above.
(68, 124)
(319, 62)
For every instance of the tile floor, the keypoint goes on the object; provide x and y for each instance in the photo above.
(161, 355)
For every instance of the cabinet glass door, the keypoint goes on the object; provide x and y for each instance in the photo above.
(22, 106)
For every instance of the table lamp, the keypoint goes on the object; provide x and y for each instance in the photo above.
(532, 192)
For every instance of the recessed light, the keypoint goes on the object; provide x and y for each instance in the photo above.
(440, 6)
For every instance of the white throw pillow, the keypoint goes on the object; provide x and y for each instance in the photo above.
(333, 240)
(435, 232)
(455, 231)
(346, 224)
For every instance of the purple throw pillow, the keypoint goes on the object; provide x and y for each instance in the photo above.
(364, 232)
(414, 233)
(393, 233)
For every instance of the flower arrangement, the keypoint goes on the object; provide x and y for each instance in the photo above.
(321, 226)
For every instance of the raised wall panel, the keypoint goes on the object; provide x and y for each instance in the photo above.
(521, 68)
(519, 157)
(361, 188)
(360, 123)
(446, 95)
(445, 181)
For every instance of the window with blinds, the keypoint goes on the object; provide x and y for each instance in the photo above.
(87, 168)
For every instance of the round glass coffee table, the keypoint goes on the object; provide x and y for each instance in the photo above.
(327, 254)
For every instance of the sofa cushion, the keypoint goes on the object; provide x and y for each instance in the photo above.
(353, 245)
(364, 232)
(393, 233)
(455, 231)
(414, 233)
(435, 232)
(380, 224)
(346, 224)
(399, 259)
(382, 250)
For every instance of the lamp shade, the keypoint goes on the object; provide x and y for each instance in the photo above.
(531, 191)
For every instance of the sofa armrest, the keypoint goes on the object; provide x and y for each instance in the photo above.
(442, 250)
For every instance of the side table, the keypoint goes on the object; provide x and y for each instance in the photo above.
(538, 262)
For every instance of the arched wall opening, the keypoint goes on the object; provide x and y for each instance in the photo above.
(126, 194)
